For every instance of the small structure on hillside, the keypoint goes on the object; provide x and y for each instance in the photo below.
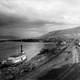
(77, 42)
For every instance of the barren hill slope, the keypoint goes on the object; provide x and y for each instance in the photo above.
(67, 33)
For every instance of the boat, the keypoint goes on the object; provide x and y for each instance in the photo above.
(15, 59)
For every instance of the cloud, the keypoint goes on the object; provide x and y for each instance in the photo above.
(49, 10)
(6, 20)
(31, 18)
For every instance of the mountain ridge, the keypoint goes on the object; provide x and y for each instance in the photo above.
(67, 33)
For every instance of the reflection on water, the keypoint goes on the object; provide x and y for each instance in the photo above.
(9, 48)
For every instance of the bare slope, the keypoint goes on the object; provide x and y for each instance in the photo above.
(67, 33)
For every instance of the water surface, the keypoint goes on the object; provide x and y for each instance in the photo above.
(10, 48)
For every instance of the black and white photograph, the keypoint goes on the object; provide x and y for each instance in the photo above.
(39, 39)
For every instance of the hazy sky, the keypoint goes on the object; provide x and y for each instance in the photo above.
(33, 18)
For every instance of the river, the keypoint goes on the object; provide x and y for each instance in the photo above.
(10, 48)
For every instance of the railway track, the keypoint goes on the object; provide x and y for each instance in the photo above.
(46, 62)
(66, 72)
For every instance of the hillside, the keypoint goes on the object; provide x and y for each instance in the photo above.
(62, 34)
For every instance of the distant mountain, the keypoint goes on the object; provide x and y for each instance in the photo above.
(60, 34)
(17, 39)
(63, 34)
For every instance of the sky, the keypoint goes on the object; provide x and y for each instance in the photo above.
(34, 18)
